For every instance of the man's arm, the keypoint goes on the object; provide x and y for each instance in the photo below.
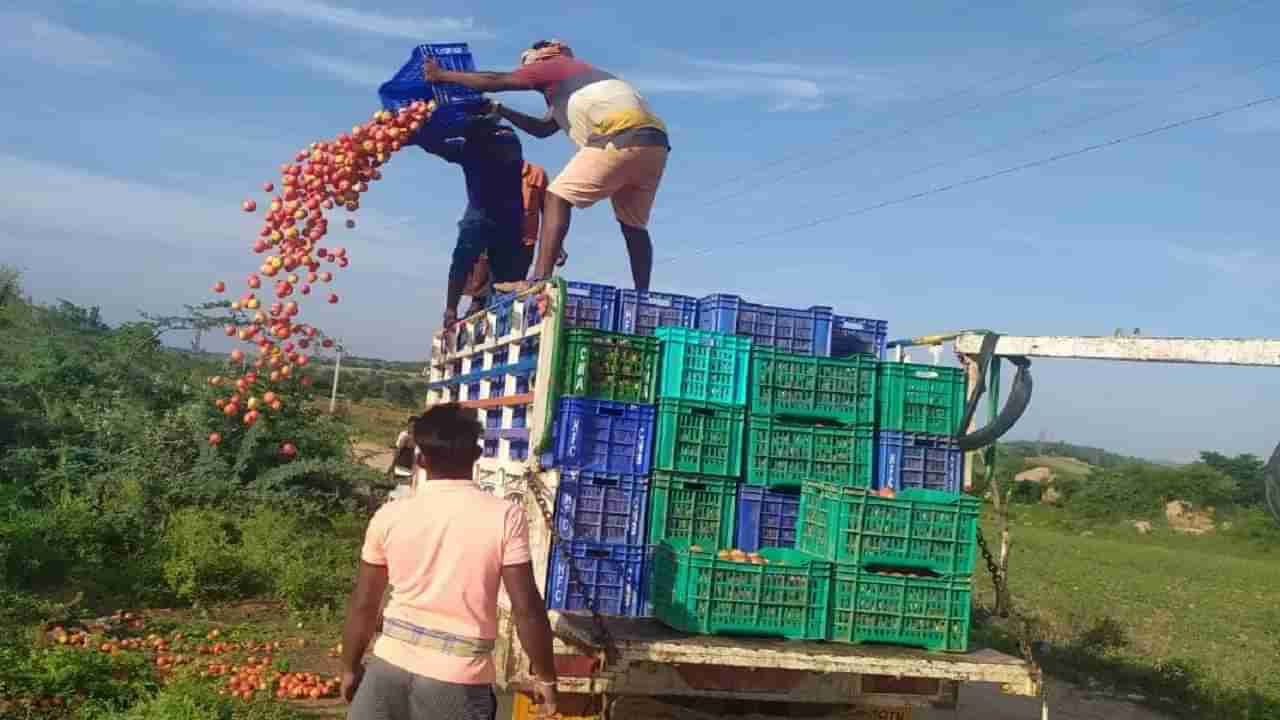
(482, 81)
(530, 614)
(542, 127)
(363, 612)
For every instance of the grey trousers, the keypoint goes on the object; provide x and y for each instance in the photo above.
(392, 693)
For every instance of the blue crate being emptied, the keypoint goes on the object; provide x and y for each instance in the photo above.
(454, 103)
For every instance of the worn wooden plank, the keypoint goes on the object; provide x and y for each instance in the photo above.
(1263, 352)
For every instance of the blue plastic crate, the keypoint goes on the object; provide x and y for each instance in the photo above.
(605, 436)
(454, 102)
(641, 312)
(851, 335)
(917, 460)
(610, 576)
(766, 518)
(803, 332)
(601, 507)
(588, 305)
(503, 307)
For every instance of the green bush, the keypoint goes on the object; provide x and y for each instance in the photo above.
(1257, 526)
(108, 682)
(204, 560)
(306, 562)
(1142, 490)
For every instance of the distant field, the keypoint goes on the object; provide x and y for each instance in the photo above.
(373, 421)
(1062, 465)
(1190, 619)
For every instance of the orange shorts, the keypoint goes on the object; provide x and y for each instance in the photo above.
(627, 176)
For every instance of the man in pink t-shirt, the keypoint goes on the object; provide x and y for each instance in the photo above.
(444, 550)
(622, 146)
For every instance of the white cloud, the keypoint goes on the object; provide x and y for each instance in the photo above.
(138, 216)
(353, 73)
(787, 86)
(318, 12)
(1231, 262)
(45, 41)
(783, 93)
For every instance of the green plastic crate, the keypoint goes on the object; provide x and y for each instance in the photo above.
(697, 593)
(704, 366)
(924, 529)
(822, 388)
(782, 453)
(920, 398)
(932, 613)
(609, 366)
(699, 438)
(697, 509)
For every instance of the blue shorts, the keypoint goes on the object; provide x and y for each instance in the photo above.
(509, 258)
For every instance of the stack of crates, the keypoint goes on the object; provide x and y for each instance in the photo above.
(736, 468)
(903, 546)
(797, 413)
(489, 362)
(604, 445)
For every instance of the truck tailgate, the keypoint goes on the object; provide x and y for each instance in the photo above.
(647, 658)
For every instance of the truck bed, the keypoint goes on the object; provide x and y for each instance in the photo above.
(648, 658)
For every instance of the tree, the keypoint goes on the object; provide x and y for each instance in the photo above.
(1248, 472)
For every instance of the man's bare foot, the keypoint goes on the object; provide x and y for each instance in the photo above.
(450, 318)
(562, 259)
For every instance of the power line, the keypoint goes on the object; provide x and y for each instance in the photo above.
(1098, 60)
(1050, 130)
(1044, 57)
(988, 176)
(756, 120)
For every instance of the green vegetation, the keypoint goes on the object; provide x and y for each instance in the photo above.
(111, 489)
(1189, 623)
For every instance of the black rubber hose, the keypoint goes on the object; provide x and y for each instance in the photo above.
(1014, 407)
(985, 354)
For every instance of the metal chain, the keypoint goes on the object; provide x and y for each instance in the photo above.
(996, 581)
(540, 491)
(1023, 625)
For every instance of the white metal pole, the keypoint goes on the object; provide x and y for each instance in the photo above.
(333, 393)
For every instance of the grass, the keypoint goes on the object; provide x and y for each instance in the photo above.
(375, 421)
(1192, 623)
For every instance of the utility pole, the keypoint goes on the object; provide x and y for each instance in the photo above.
(333, 393)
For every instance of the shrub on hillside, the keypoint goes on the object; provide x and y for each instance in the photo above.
(1143, 490)
(1256, 526)
(204, 560)
(306, 562)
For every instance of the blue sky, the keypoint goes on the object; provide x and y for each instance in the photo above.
(132, 131)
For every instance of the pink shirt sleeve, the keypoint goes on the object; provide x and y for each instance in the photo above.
(374, 550)
(515, 544)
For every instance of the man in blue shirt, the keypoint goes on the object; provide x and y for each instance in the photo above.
(492, 161)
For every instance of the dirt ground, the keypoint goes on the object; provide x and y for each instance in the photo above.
(375, 455)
